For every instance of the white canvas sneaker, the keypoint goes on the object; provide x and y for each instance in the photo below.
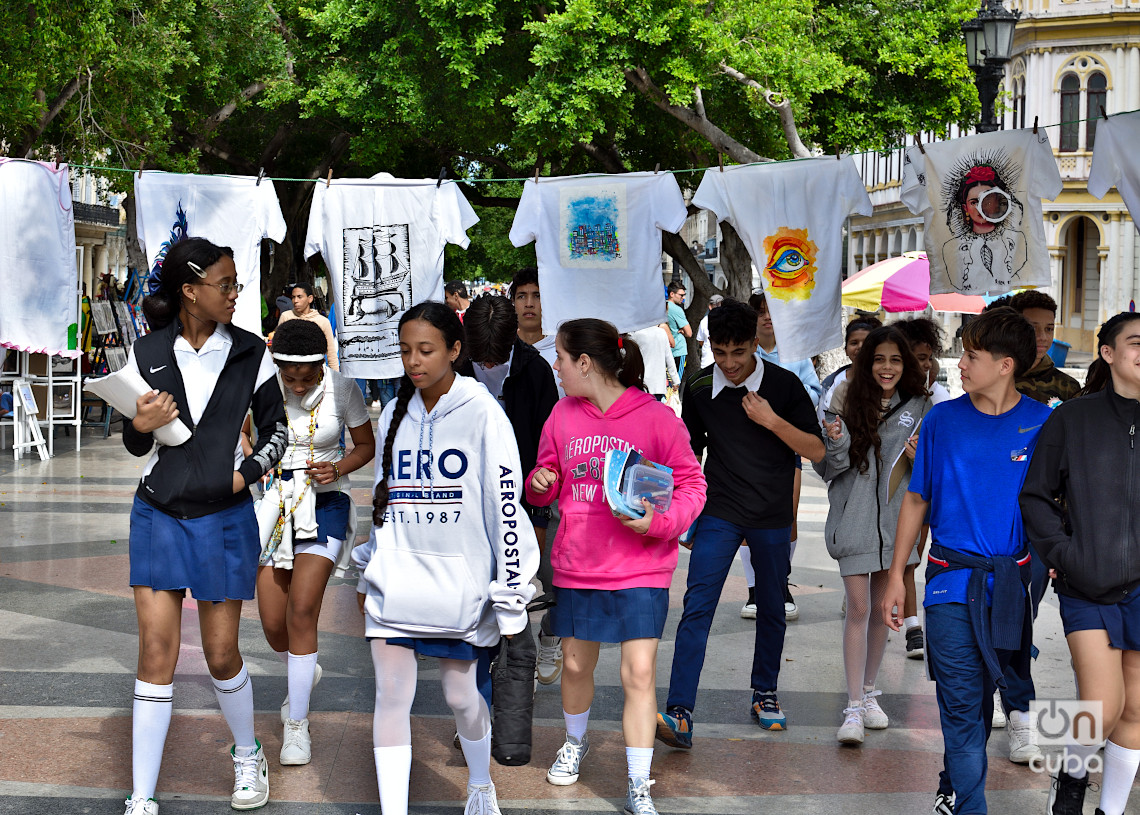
(251, 779)
(296, 744)
(851, 731)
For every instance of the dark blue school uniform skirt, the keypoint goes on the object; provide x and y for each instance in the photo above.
(1121, 620)
(441, 648)
(331, 510)
(604, 615)
(214, 556)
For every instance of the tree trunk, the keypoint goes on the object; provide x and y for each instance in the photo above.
(136, 257)
(736, 263)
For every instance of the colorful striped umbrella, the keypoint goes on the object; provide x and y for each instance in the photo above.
(903, 284)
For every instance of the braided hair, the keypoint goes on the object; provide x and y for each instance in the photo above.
(443, 318)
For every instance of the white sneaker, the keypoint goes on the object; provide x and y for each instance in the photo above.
(481, 800)
(874, 717)
(791, 610)
(549, 659)
(317, 674)
(296, 744)
(568, 762)
(851, 731)
(638, 801)
(251, 780)
(376, 403)
(998, 720)
(141, 806)
(944, 804)
(748, 610)
(1022, 738)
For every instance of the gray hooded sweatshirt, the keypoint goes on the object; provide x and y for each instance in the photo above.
(863, 516)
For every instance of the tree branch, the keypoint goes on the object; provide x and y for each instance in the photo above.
(273, 147)
(640, 80)
(33, 133)
(475, 199)
(608, 157)
(225, 111)
(779, 103)
(220, 152)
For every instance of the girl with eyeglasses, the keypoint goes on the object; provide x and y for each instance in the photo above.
(192, 523)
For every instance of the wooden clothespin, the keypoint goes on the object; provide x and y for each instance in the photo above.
(141, 163)
(918, 142)
(536, 175)
(657, 169)
(1034, 125)
(57, 161)
(442, 176)
(720, 160)
(838, 156)
(328, 181)
(1102, 113)
(260, 175)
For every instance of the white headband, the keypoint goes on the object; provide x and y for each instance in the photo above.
(299, 357)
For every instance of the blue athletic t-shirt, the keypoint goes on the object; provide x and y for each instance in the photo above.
(970, 467)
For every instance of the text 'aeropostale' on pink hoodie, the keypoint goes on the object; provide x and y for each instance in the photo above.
(593, 550)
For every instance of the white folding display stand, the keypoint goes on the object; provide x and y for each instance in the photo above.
(27, 433)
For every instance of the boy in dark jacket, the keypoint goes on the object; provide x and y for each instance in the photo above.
(971, 459)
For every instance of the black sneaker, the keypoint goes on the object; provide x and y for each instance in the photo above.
(915, 646)
(1067, 794)
(791, 610)
(748, 611)
(943, 804)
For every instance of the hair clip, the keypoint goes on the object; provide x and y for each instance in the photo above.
(619, 343)
(197, 269)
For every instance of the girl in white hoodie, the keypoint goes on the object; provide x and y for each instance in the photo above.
(447, 568)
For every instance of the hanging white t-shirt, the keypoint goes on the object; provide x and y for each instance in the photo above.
(547, 349)
(1116, 160)
(598, 241)
(37, 257)
(382, 239)
(703, 342)
(981, 199)
(790, 215)
(233, 211)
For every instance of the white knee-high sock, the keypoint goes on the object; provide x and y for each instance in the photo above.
(749, 572)
(151, 720)
(478, 757)
(576, 723)
(302, 669)
(638, 760)
(1120, 765)
(235, 698)
(393, 771)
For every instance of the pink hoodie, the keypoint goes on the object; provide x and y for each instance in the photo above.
(593, 550)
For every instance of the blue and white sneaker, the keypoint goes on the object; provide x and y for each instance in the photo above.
(568, 762)
(766, 711)
(637, 800)
(675, 728)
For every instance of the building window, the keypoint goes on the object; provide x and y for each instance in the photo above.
(1097, 99)
(1070, 113)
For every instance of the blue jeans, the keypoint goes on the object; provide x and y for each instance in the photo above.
(965, 696)
(1019, 690)
(715, 543)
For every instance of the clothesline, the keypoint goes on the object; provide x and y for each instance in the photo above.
(473, 181)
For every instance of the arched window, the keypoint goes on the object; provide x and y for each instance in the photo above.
(1070, 113)
(1097, 99)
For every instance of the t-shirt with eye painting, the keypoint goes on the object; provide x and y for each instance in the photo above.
(981, 199)
(790, 215)
(598, 241)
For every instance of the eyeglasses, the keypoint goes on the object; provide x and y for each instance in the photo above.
(225, 288)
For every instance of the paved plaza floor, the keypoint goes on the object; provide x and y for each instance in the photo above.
(68, 653)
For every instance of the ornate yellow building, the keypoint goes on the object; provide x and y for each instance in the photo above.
(1071, 59)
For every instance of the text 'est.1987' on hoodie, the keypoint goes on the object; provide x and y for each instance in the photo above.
(456, 554)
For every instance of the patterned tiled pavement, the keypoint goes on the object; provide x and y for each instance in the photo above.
(68, 651)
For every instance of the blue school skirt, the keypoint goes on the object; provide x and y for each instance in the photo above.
(440, 648)
(1121, 620)
(603, 615)
(214, 556)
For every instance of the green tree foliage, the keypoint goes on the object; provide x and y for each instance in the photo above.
(489, 89)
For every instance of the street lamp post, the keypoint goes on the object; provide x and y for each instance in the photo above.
(989, 46)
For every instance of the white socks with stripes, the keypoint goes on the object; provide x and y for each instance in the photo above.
(150, 721)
